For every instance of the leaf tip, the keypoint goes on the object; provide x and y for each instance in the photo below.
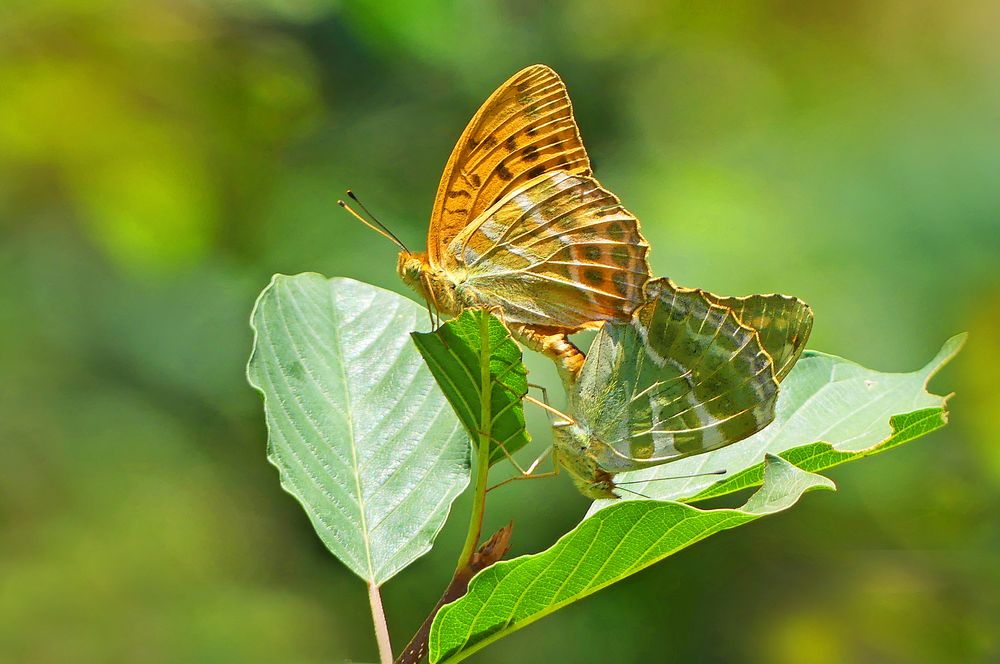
(948, 351)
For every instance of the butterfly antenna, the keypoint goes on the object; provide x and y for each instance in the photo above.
(380, 229)
(634, 493)
(675, 477)
(385, 228)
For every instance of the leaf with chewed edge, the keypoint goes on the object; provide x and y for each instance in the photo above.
(856, 412)
(606, 547)
(830, 411)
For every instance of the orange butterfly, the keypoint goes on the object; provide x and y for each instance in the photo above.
(519, 225)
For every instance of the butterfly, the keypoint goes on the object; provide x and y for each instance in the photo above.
(521, 227)
(690, 373)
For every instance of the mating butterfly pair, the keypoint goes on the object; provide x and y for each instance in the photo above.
(520, 226)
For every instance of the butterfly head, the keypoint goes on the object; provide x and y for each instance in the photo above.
(599, 487)
(411, 267)
(432, 284)
(574, 446)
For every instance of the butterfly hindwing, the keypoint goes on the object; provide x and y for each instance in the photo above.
(561, 248)
(783, 324)
(685, 377)
(526, 128)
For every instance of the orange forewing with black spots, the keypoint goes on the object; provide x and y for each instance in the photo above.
(526, 128)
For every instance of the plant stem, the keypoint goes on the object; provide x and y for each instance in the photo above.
(490, 552)
(483, 448)
(478, 506)
(381, 628)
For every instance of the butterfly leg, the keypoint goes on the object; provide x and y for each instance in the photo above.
(432, 305)
(529, 474)
(564, 419)
(545, 397)
(556, 346)
(538, 461)
(510, 457)
(524, 473)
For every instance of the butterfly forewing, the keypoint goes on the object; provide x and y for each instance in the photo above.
(783, 324)
(526, 128)
(687, 377)
(561, 248)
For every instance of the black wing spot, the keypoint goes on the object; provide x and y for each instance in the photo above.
(477, 182)
(535, 171)
(530, 153)
(510, 144)
(593, 276)
(503, 173)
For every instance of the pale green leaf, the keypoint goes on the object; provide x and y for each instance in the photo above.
(357, 427)
(829, 411)
(454, 353)
(608, 546)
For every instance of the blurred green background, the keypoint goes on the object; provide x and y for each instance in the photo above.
(160, 159)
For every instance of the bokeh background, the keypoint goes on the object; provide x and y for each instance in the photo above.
(160, 159)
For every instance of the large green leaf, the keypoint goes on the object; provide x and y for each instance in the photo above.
(612, 544)
(829, 411)
(359, 431)
(454, 353)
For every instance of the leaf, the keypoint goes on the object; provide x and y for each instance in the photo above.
(453, 354)
(825, 398)
(605, 548)
(829, 411)
(359, 431)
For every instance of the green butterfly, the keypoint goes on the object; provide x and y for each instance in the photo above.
(691, 373)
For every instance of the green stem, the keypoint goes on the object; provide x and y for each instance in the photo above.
(483, 448)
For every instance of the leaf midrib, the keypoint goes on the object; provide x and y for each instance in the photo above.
(336, 340)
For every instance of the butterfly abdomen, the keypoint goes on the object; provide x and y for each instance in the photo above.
(555, 345)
